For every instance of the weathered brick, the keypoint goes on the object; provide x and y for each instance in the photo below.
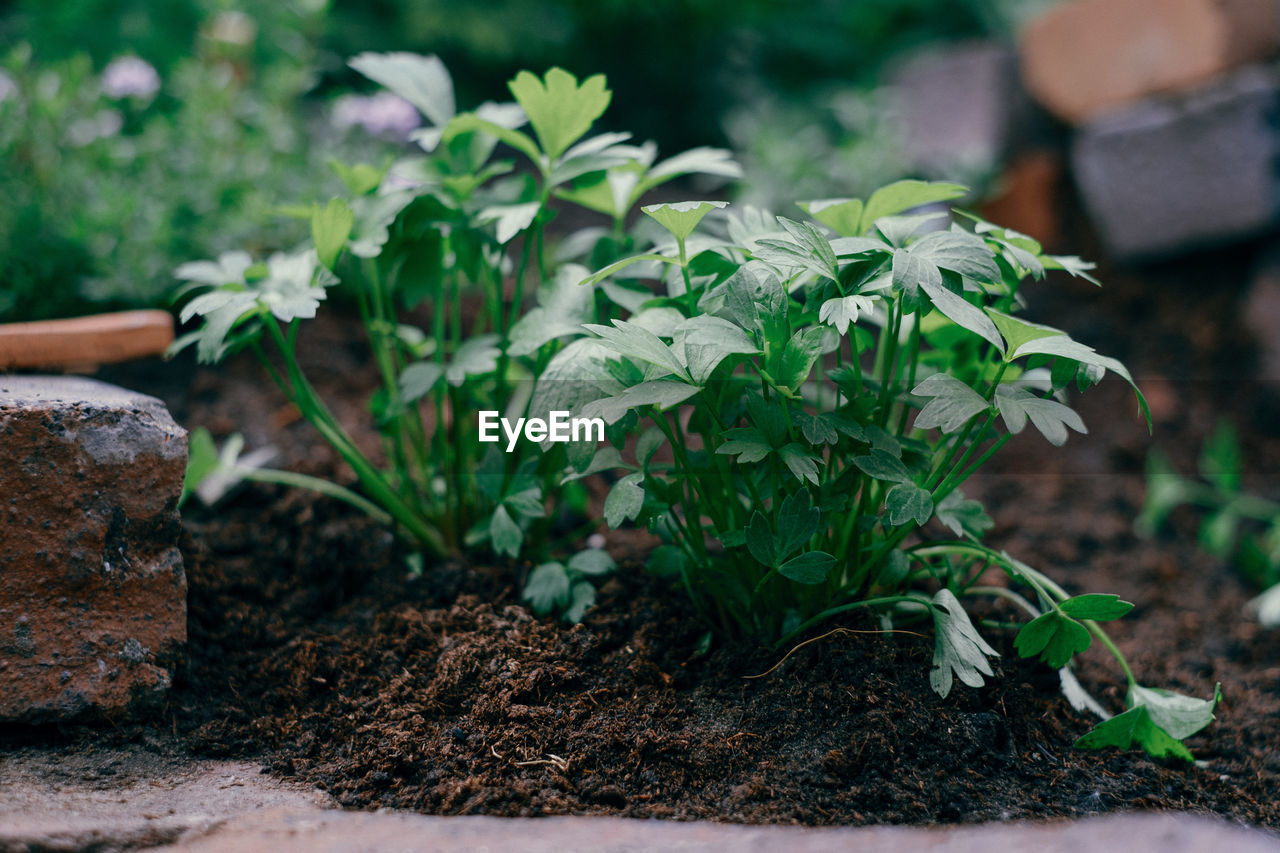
(92, 591)
(1178, 173)
(1084, 58)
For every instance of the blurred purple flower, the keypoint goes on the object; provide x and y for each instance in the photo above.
(130, 76)
(383, 114)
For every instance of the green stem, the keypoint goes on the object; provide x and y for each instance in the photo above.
(319, 485)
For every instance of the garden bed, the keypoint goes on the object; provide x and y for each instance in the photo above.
(311, 652)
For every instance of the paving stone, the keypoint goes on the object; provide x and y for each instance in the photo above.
(1173, 174)
(1084, 58)
(963, 109)
(92, 592)
(312, 832)
(1027, 197)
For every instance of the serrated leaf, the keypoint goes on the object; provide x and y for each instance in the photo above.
(958, 648)
(843, 311)
(748, 444)
(1134, 728)
(663, 393)
(908, 502)
(701, 160)
(639, 343)
(798, 521)
(373, 217)
(757, 302)
(963, 516)
(421, 80)
(1177, 715)
(681, 217)
(881, 465)
(667, 561)
(960, 252)
(505, 535)
(1018, 332)
(593, 561)
(952, 403)
(800, 462)
(330, 227)
(894, 571)
(810, 568)
(511, 219)
(799, 356)
(818, 429)
(607, 458)
(547, 588)
(760, 540)
(563, 308)
(707, 341)
(625, 500)
(1050, 417)
(1072, 265)
(905, 195)
(560, 110)
(1054, 637)
(1100, 607)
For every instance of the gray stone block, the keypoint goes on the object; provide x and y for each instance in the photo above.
(92, 592)
(1174, 174)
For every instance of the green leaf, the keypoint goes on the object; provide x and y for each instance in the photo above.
(1178, 715)
(958, 251)
(563, 308)
(963, 516)
(800, 462)
(547, 588)
(1096, 606)
(908, 502)
(1050, 417)
(760, 540)
(607, 458)
(681, 217)
(373, 217)
(1218, 532)
(798, 521)
(625, 500)
(330, 227)
(820, 429)
(1072, 264)
(905, 195)
(841, 215)
(1019, 332)
(639, 343)
(746, 443)
(894, 571)
(648, 444)
(581, 599)
(701, 160)
(421, 80)
(799, 356)
(360, 179)
(504, 533)
(202, 460)
(1221, 460)
(957, 647)
(471, 123)
(614, 267)
(913, 269)
(1134, 728)
(593, 561)
(881, 465)
(417, 380)
(512, 219)
(663, 393)
(475, 357)
(667, 561)
(843, 311)
(1054, 637)
(951, 406)
(811, 567)
(560, 110)
(707, 341)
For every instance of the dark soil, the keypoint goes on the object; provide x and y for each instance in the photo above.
(312, 652)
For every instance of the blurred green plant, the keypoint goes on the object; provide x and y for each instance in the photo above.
(111, 178)
(1238, 526)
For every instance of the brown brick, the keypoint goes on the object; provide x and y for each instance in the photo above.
(92, 592)
(1086, 57)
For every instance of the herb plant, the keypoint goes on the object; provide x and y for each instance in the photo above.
(1238, 525)
(807, 399)
(458, 234)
